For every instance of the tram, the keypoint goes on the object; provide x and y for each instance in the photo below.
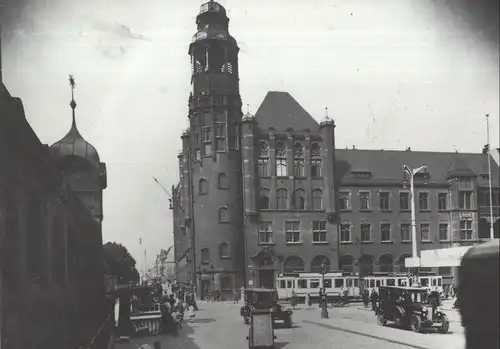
(338, 282)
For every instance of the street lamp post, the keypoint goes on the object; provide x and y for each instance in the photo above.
(324, 306)
(411, 173)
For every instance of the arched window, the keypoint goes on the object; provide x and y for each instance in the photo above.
(347, 263)
(223, 214)
(300, 199)
(263, 159)
(264, 200)
(224, 250)
(294, 264)
(298, 160)
(386, 263)
(205, 255)
(202, 187)
(317, 263)
(222, 181)
(282, 199)
(401, 262)
(365, 265)
(316, 161)
(281, 168)
(317, 199)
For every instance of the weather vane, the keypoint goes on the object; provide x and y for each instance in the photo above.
(72, 84)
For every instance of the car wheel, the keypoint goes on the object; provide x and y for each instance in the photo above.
(445, 325)
(380, 320)
(415, 323)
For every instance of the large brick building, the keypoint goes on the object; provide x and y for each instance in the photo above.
(51, 267)
(259, 195)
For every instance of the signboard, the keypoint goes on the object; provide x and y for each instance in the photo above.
(412, 262)
(444, 257)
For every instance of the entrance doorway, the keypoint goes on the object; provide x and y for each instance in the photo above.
(266, 278)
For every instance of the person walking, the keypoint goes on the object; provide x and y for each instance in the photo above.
(308, 300)
(235, 296)
(217, 295)
(366, 298)
(374, 299)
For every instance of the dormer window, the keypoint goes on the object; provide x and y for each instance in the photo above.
(361, 174)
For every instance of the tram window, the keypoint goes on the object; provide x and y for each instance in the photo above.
(356, 283)
(349, 282)
(315, 283)
(328, 283)
(439, 282)
(302, 283)
(289, 284)
(365, 282)
(378, 283)
(282, 284)
(372, 283)
(434, 282)
(424, 282)
(339, 283)
(391, 282)
(400, 282)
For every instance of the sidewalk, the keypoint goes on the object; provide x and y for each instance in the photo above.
(394, 335)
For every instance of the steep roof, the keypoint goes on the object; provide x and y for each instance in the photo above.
(387, 165)
(281, 111)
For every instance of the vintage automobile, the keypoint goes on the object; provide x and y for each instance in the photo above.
(263, 298)
(406, 306)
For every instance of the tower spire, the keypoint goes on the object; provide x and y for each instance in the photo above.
(72, 103)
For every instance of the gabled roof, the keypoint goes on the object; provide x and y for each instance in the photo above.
(387, 165)
(281, 111)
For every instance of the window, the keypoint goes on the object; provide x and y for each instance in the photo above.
(233, 136)
(466, 229)
(224, 250)
(442, 201)
(220, 130)
(317, 199)
(444, 270)
(281, 168)
(207, 149)
(344, 201)
(423, 201)
(222, 181)
(404, 201)
(298, 160)
(207, 134)
(197, 155)
(465, 200)
(300, 201)
(263, 160)
(345, 233)
(319, 231)
(205, 255)
(443, 231)
(384, 201)
(265, 233)
(206, 119)
(264, 201)
(385, 232)
(365, 232)
(292, 231)
(364, 201)
(202, 187)
(282, 199)
(405, 232)
(220, 144)
(425, 232)
(223, 215)
(316, 161)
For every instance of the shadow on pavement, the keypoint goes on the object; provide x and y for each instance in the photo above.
(200, 321)
(183, 340)
(280, 345)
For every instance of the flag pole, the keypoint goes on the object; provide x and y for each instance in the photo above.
(492, 234)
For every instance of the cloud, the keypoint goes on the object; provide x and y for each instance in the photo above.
(118, 29)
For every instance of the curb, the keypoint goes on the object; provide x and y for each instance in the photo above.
(366, 335)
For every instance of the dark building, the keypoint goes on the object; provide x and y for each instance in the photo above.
(51, 267)
(270, 193)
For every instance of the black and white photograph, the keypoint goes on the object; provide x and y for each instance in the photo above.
(268, 174)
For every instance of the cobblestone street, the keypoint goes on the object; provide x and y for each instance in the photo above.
(219, 325)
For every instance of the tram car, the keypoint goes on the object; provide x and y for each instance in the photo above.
(339, 282)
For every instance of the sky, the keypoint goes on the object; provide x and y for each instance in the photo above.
(393, 74)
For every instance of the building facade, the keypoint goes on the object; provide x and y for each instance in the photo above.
(269, 193)
(51, 268)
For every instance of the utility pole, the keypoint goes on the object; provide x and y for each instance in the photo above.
(492, 233)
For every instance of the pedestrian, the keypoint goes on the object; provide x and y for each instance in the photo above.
(320, 296)
(374, 298)
(235, 296)
(294, 299)
(366, 298)
(210, 295)
(217, 295)
(191, 313)
(308, 300)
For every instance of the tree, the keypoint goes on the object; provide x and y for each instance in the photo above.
(119, 262)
